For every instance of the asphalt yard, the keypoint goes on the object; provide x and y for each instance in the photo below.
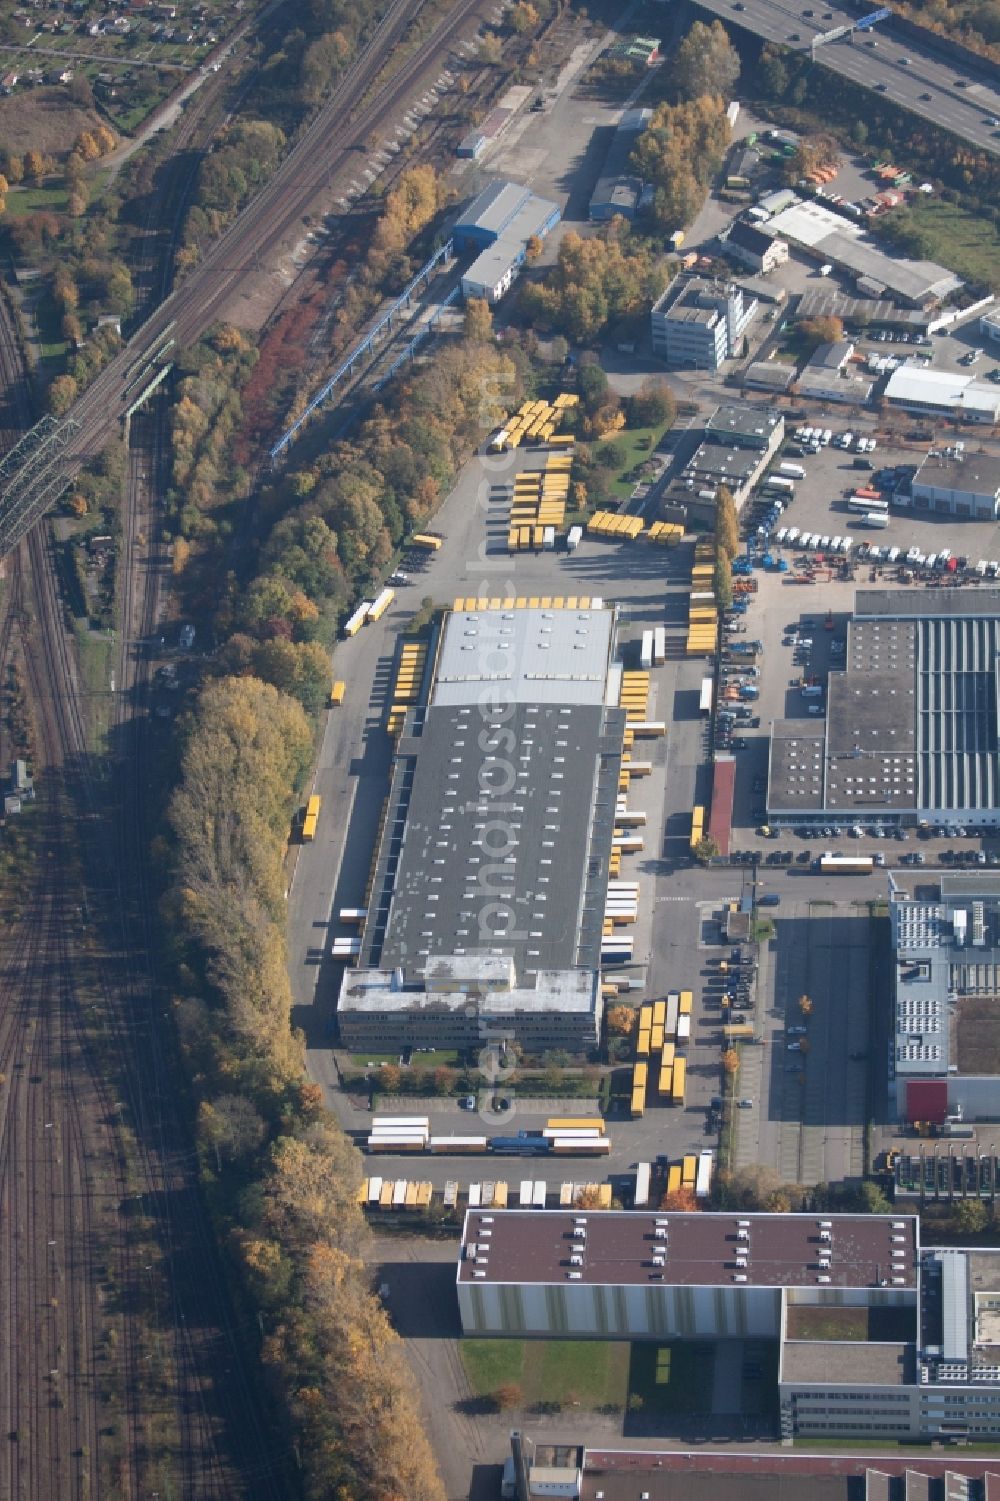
(808, 1114)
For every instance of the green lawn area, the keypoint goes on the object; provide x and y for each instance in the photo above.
(33, 200)
(958, 239)
(592, 1373)
(675, 1377)
(96, 651)
(639, 444)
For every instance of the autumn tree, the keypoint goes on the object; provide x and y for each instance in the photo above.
(827, 329)
(706, 63)
(727, 525)
(13, 167)
(86, 146)
(524, 17)
(681, 1201)
(730, 1062)
(621, 1020)
(805, 1005)
(594, 282)
(36, 166)
(722, 581)
(508, 1396)
(679, 153)
(62, 394)
(477, 323)
(588, 1197)
(490, 49)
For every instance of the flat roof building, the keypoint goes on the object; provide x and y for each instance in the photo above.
(499, 222)
(710, 1473)
(621, 1275)
(943, 393)
(700, 323)
(489, 886)
(618, 190)
(946, 983)
(746, 426)
(956, 483)
(828, 236)
(911, 729)
(877, 1336)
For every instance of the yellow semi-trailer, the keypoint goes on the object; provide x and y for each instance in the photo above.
(577, 1123)
(674, 1178)
(427, 540)
(679, 1084)
(337, 693)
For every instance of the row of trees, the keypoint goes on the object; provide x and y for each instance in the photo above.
(281, 1172)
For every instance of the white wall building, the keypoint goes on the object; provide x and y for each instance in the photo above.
(958, 484)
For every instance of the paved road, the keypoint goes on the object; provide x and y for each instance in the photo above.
(963, 110)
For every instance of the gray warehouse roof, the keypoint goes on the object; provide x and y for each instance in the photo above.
(755, 423)
(466, 876)
(519, 656)
(913, 721)
(977, 474)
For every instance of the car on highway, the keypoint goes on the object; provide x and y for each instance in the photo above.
(744, 1104)
(906, 62)
(926, 98)
(881, 87)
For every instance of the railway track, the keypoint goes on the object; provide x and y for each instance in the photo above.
(120, 1374)
(343, 126)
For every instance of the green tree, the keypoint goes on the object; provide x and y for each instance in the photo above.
(727, 526)
(871, 1199)
(706, 63)
(653, 405)
(970, 1217)
(723, 581)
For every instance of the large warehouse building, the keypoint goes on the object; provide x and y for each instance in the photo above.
(911, 731)
(876, 1335)
(711, 1473)
(946, 1055)
(488, 892)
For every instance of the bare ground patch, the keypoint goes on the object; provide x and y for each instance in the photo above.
(978, 1050)
(43, 120)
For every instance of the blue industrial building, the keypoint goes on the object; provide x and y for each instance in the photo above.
(499, 223)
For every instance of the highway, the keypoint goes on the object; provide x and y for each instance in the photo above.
(962, 102)
(344, 127)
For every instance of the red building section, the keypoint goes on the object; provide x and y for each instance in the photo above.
(720, 820)
(927, 1100)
